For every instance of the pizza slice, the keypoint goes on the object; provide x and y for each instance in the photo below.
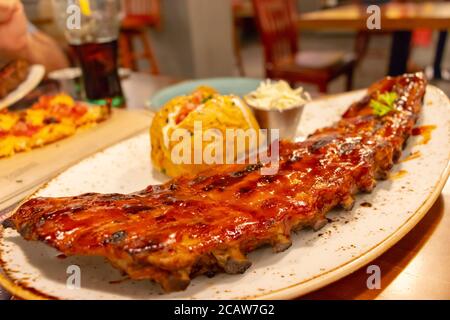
(51, 119)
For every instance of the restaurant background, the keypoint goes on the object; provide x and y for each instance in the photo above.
(203, 38)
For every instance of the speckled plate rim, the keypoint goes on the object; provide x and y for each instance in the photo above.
(298, 289)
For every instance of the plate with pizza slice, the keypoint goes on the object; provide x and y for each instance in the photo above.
(50, 119)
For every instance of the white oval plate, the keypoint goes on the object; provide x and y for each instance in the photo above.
(33, 79)
(351, 240)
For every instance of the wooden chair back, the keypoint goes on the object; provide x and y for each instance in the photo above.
(148, 12)
(276, 20)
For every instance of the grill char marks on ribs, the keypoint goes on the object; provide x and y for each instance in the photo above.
(207, 224)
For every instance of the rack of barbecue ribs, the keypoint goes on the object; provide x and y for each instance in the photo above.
(207, 224)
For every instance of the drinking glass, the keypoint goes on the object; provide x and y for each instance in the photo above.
(92, 28)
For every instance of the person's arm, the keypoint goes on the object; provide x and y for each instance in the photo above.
(42, 49)
(17, 41)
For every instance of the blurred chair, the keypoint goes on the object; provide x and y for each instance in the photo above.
(239, 11)
(276, 21)
(139, 16)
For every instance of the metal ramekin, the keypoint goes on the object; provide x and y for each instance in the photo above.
(286, 120)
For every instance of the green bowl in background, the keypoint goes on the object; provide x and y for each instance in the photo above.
(236, 86)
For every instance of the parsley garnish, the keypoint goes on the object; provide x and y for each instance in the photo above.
(384, 103)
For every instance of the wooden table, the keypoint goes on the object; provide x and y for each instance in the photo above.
(394, 16)
(415, 268)
(399, 18)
